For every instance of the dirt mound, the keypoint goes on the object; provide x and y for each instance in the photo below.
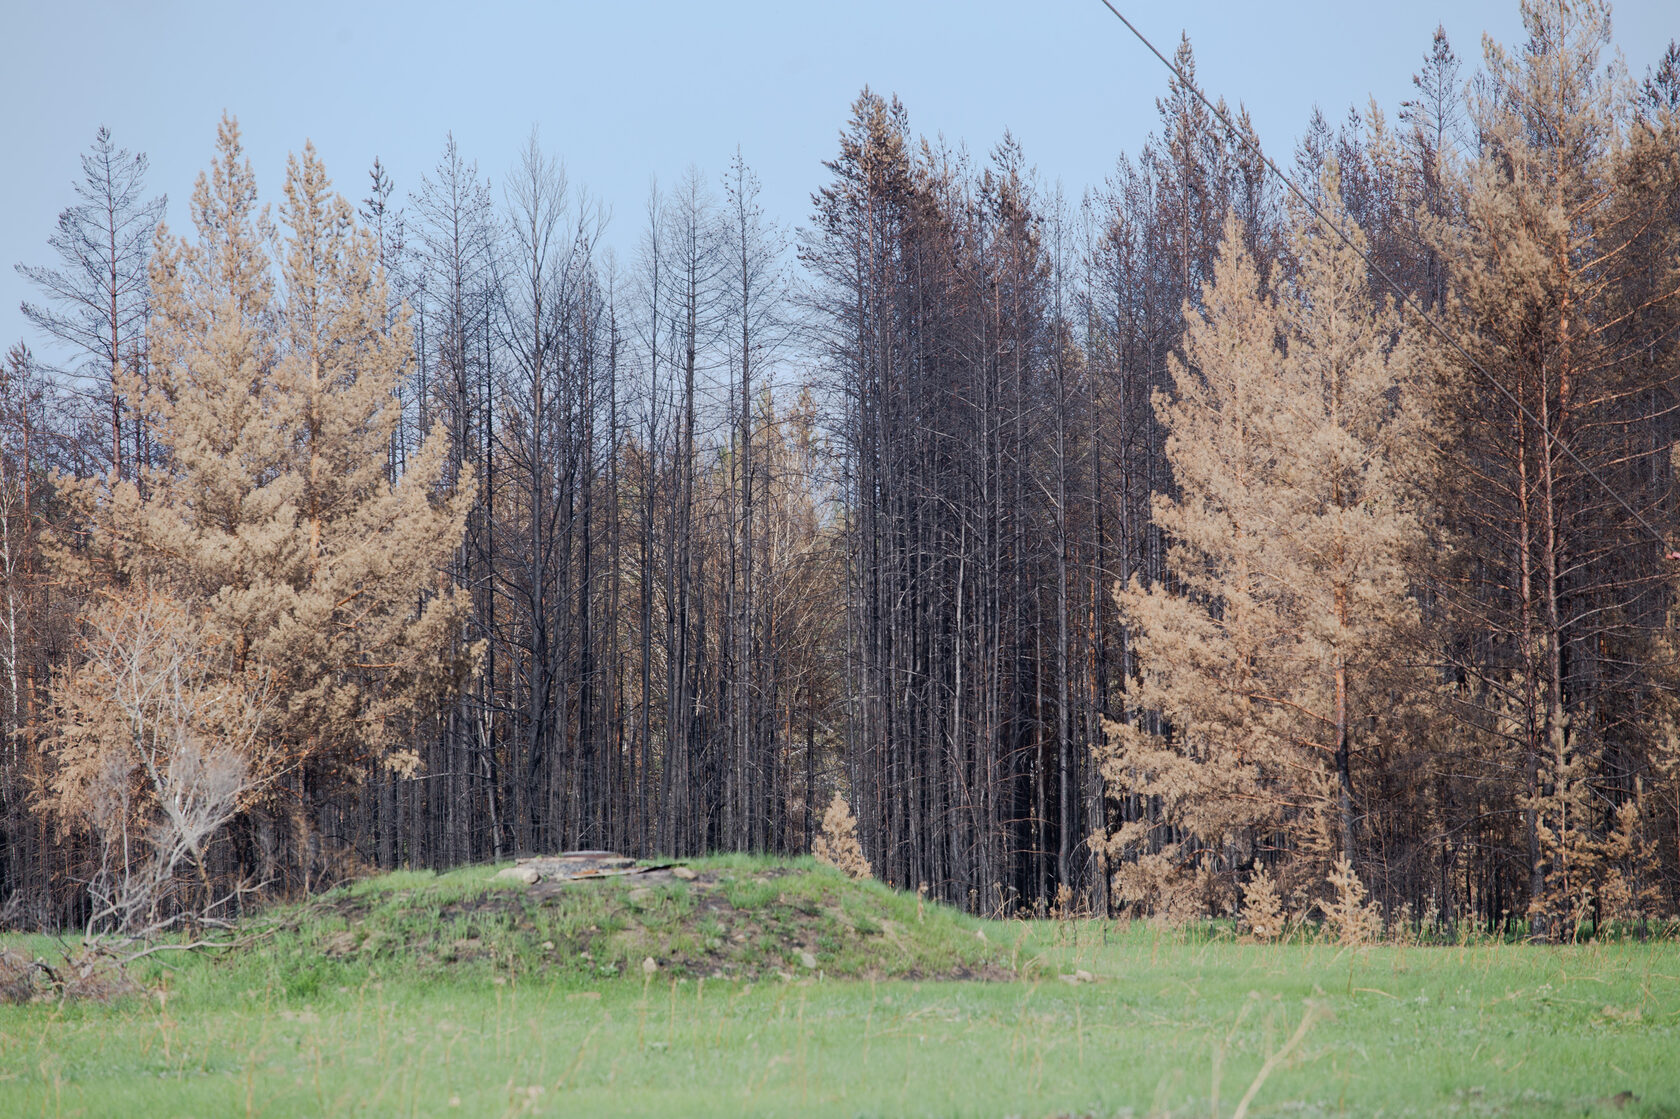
(718, 920)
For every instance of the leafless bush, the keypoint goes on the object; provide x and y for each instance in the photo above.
(158, 739)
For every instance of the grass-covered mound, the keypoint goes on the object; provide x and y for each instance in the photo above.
(738, 918)
(308, 1018)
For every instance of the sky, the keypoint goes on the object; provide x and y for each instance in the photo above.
(622, 93)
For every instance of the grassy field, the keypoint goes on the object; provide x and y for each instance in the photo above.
(781, 989)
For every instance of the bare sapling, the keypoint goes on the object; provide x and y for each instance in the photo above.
(159, 743)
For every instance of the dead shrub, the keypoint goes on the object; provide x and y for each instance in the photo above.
(1262, 907)
(1350, 914)
(837, 843)
(21, 978)
(158, 740)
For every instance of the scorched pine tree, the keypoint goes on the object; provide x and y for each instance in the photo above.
(273, 400)
(1269, 661)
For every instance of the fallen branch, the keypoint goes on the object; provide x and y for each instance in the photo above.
(236, 942)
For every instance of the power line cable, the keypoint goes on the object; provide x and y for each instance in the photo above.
(1253, 146)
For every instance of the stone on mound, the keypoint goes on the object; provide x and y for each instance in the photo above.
(569, 866)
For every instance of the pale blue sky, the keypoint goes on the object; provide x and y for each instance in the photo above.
(623, 92)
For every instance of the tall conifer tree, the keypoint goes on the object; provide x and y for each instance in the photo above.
(1566, 285)
(1292, 448)
(271, 513)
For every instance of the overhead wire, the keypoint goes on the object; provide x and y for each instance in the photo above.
(1249, 142)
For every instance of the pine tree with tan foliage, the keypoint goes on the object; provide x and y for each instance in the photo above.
(1262, 908)
(1559, 382)
(1349, 913)
(1630, 865)
(1292, 438)
(837, 843)
(271, 516)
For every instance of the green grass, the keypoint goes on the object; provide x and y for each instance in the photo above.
(745, 919)
(433, 1002)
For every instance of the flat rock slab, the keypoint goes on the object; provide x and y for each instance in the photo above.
(579, 864)
(575, 866)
